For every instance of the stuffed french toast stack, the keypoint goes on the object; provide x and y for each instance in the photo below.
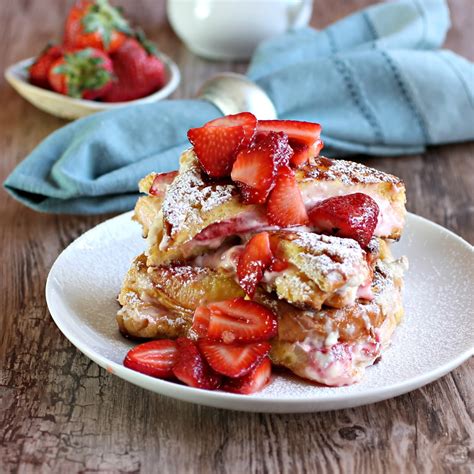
(261, 252)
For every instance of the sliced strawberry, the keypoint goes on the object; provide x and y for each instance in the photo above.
(303, 152)
(285, 206)
(155, 358)
(201, 321)
(240, 320)
(352, 216)
(218, 142)
(252, 382)
(305, 132)
(192, 369)
(278, 261)
(255, 259)
(161, 181)
(255, 168)
(233, 360)
(277, 265)
(246, 120)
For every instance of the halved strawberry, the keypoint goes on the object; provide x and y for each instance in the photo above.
(217, 143)
(161, 181)
(305, 132)
(285, 206)
(303, 152)
(255, 168)
(254, 260)
(253, 382)
(353, 216)
(240, 320)
(201, 321)
(192, 369)
(233, 360)
(155, 358)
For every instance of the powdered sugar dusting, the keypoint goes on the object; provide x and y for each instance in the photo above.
(188, 197)
(411, 361)
(348, 172)
(333, 258)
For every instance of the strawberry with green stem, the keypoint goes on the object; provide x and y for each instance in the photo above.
(96, 24)
(138, 72)
(82, 74)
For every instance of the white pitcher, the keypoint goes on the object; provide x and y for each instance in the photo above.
(232, 29)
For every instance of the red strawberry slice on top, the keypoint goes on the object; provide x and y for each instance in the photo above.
(252, 382)
(217, 143)
(246, 120)
(233, 360)
(304, 132)
(255, 259)
(353, 216)
(155, 358)
(255, 168)
(192, 369)
(239, 320)
(285, 205)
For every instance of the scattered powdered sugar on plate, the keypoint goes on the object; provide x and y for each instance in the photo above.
(436, 335)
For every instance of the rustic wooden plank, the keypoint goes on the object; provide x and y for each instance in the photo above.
(60, 413)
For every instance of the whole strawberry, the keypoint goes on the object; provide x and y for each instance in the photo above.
(39, 70)
(138, 72)
(82, 74)
(95, 24)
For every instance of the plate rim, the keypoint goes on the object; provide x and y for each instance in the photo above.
(257, 403)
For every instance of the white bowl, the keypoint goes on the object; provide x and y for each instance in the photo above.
(69, 108)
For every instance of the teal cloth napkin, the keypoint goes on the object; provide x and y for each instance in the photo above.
(376, 81)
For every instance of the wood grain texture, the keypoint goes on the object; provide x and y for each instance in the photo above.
(59, 412)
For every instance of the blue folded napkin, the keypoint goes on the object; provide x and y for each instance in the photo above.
(375, 80)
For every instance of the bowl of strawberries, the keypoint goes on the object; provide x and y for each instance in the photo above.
(102, 63)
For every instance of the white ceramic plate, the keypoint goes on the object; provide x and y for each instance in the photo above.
(69, 108)
(436, 336)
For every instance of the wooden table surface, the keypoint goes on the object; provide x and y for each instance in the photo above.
(59, 412)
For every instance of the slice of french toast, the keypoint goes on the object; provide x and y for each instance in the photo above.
(159, 302)
(334, 346)
(331, 346)
(197, 214)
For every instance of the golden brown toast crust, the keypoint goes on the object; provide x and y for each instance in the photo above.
(159, 302)
(323, 269)
(331, 346)
(180, 289)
